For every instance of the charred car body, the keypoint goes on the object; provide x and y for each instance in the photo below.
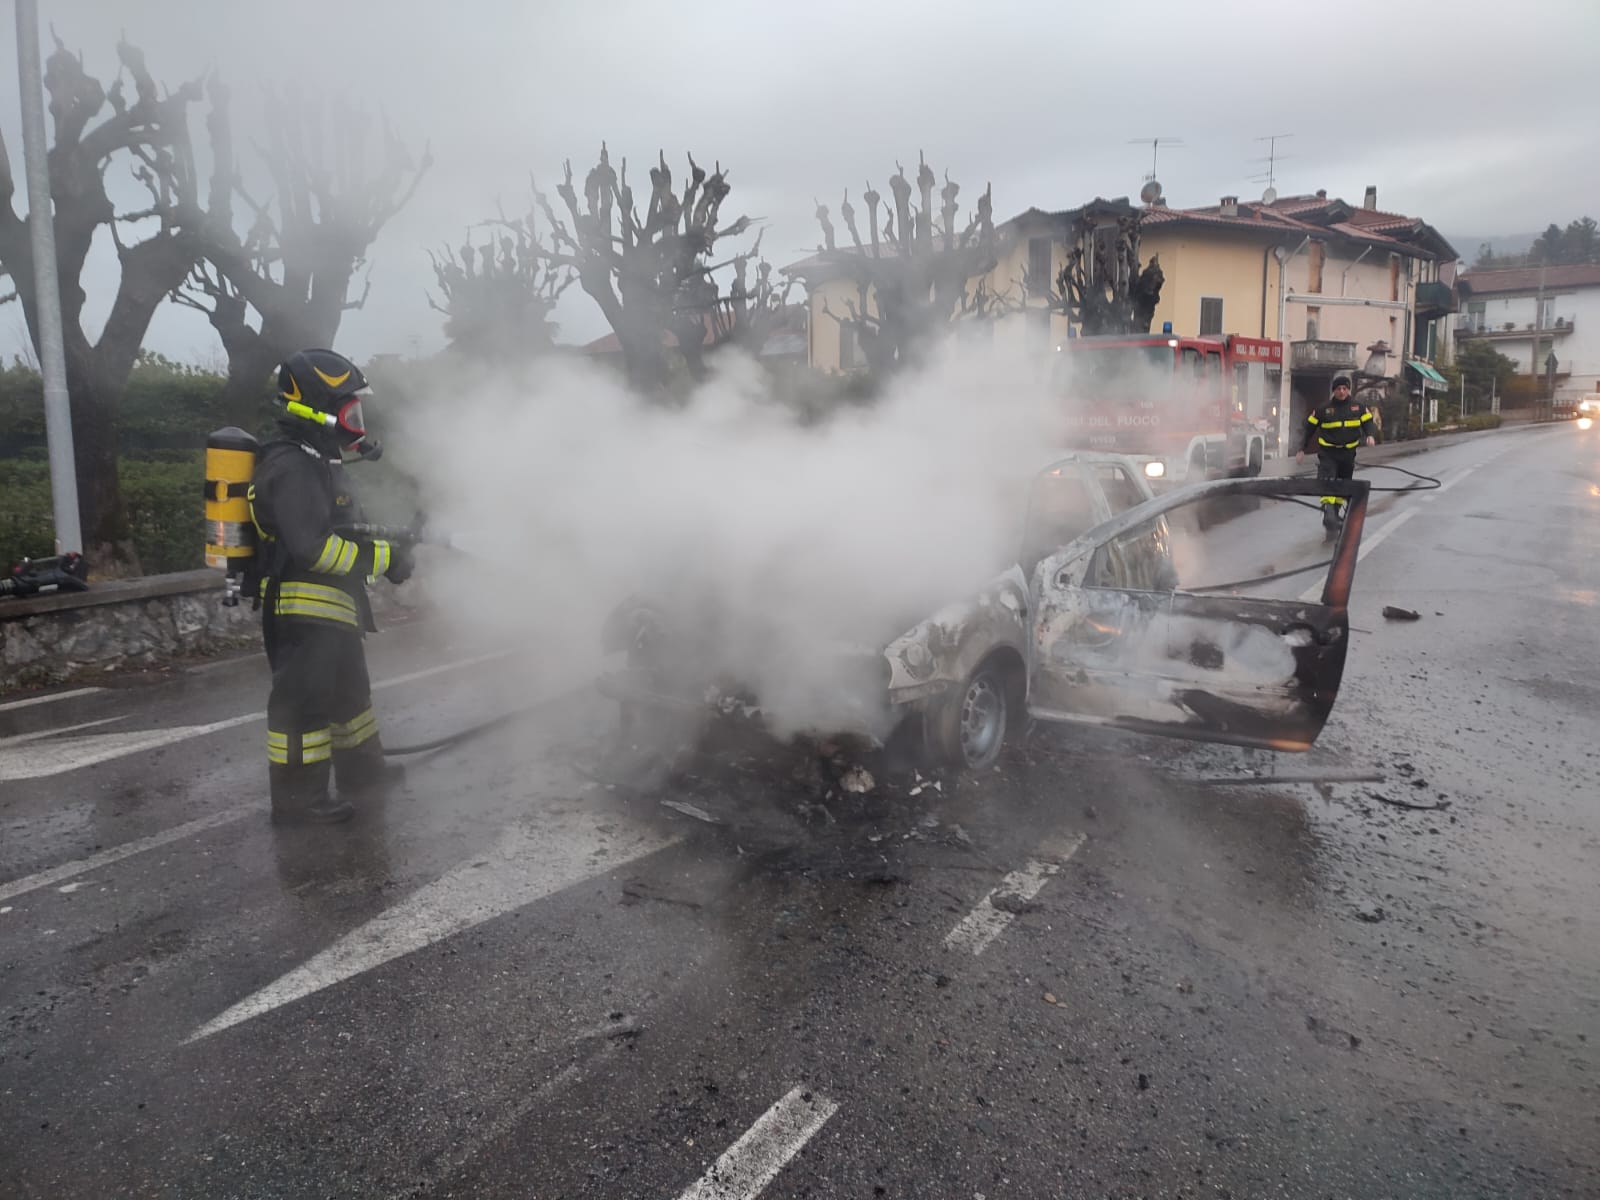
(1105, 618)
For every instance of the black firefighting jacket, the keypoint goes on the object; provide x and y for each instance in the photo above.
(1337, 426)
(297, 498)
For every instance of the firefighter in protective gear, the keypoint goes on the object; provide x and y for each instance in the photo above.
(1335, 431)
(320, 724)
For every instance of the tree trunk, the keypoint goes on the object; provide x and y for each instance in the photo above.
(107, 534)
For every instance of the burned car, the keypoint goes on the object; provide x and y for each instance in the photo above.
(1120, 610)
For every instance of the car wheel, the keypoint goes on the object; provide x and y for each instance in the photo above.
(968, 727)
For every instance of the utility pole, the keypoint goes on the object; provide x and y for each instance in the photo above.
(1533, 351)
(46, 288)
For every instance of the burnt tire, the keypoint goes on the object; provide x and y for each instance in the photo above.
(967, 726)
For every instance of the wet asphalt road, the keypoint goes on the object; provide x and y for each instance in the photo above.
(513, 980)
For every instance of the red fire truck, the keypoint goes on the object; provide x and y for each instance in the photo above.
(1187, 408)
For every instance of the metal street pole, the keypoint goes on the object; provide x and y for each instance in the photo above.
(1533, 351)
(46, 288)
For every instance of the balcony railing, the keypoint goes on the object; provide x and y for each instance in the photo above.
(1477, 327)
(1435, 299)
(1313, 355)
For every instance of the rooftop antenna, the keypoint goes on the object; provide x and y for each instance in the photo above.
(1151, 192)
(1155, 145)
(1271, 159)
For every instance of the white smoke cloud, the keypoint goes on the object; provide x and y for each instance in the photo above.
(784, 540)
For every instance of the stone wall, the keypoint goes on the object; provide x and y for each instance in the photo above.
(126, 624)
(120, 623)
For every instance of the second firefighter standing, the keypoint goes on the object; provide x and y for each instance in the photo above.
(321, 727)
(1335, 431)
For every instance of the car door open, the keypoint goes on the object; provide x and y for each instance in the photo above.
(1231, 652)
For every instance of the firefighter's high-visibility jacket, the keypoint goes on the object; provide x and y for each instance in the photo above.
(297, 498)
(1337, 426)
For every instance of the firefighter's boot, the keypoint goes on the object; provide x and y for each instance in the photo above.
(1332, 520)
(300, 796)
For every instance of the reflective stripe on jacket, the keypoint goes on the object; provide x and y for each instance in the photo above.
(1339, 426)
(297, 498)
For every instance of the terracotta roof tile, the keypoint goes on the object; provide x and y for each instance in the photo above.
(1526, 279)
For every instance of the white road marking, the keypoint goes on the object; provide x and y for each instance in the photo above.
(525, 865)
(44, 758)
(752, 1162)
(984, 923)
(17, 739)
(10, 704)
(29, 883)
(1314, 592)
(56, 758)
(1465, 471)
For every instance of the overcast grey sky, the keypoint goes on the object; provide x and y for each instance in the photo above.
(1478, 117)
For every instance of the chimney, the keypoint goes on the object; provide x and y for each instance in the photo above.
(1371, 200)
(1322, 193)
(1230, 206)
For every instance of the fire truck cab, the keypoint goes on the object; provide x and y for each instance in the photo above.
(1186, 408)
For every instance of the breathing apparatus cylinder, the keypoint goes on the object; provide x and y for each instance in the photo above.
(230, 532)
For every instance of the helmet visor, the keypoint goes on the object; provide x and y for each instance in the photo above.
(351, 420)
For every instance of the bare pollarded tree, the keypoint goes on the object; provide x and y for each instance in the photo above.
(279, 275)
(916, 275)
(656, 276)
(155, 250)
(498, 297)
(1101, 288)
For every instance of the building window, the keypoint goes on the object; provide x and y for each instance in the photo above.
(1039, 328)
(1477, 318)
(1314, 270)
(1210, 315)
(849, 351)
(1313, 323)
(1039, 260)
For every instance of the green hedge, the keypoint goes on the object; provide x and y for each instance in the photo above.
(162, 494)
(1474, 422)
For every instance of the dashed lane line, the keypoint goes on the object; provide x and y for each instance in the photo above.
(524, 865)
(987, 921)
(50, 699)
(747, 1166)
(42, 758)
(9, 769)
(94, 862)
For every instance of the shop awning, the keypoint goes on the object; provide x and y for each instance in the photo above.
(1428, 373)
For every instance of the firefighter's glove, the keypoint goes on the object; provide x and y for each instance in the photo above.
(401, 563)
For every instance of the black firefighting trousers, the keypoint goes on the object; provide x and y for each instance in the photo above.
(1334, 464)
(319, 713)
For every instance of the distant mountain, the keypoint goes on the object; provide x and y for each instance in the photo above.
(1501, 243)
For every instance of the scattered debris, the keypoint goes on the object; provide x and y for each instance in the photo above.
(618, 1026)
(1369, 912)
(1400, 614)
(636, 890)
(1049, 997)
(1382, 799)
(1144, 1082)
(691, 810)
(1011, 902)
(858, 781)
(1324, 775)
